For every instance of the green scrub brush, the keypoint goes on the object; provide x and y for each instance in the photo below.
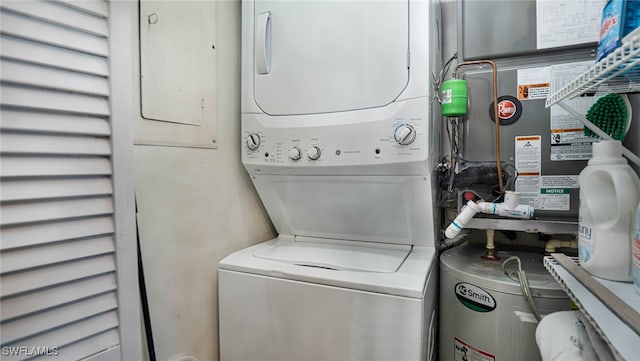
(612, 114)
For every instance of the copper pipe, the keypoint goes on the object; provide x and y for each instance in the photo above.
(495, 111)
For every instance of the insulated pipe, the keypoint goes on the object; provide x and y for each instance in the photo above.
(495, 111)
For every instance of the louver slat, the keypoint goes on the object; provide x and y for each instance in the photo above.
(34, 234)
(70, 334)
(31, 257)
(30, 122)
(42, 54)
(53, 166)
(32, 189)
(95, 7)
(15, 143)
(37, 99)
(61, 15)
(28, 28)
(32, 325)
(17, 213)
(52, 78)
(49, 298)
(19, 282)
(85, 348)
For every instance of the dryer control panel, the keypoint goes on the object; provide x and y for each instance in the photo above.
(400, 136)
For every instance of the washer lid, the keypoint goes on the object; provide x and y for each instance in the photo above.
(371, 258)
(357, 265)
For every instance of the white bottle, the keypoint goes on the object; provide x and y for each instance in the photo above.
(635, 261)
(609, 191)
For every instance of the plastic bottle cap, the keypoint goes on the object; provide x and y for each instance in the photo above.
(607, 149)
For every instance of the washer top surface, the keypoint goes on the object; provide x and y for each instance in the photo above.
(338, 257)
(391, 269)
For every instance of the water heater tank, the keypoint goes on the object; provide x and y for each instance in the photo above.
(483, 313)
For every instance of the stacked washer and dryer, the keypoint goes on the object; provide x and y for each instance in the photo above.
(339, 144)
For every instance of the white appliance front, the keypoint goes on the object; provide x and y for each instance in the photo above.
(328, 56)
(363, 303)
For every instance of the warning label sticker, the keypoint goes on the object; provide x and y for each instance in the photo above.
(534, 83)
(465, 352)
(555, 194)
(568, 141)
(528, 164)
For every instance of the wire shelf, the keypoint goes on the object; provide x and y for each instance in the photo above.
(623, 340)
(618, 72)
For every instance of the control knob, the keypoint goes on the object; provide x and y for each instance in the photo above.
(313, 153)
(295, 153)
(253, 141)
(405, 134)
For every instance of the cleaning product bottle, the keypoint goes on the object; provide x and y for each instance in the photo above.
(635, 261)
(609, 195)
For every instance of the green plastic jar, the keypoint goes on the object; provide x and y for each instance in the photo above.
(454, 98)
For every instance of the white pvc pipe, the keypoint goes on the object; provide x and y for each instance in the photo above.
(501, 209)
(467, 212)
(522, 211)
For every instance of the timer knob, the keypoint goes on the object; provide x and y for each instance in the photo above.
(313, 153)
(295, 153)
(253, 141)
(405, 134)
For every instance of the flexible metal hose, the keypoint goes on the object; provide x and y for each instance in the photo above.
(524, 285)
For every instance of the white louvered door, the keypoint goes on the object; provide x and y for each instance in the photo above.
(65, 231)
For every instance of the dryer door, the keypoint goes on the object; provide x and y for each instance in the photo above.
(329, 56)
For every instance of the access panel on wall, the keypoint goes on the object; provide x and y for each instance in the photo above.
(319, 57)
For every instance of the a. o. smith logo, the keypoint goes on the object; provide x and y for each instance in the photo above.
(474, 297)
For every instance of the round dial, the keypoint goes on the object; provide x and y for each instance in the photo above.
(295, 153)
(313, 153)
(253, 141)
(405, 134)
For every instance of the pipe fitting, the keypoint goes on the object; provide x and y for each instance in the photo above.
(551, 245)
(491, 246)
(467, 212)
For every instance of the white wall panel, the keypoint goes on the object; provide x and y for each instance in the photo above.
(196, 206)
